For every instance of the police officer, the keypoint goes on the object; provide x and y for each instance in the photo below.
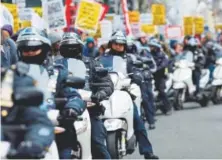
(33, 47)
(117, 51)
(39, 132)
(148, 68)
(199, 60)
(159, 76)
(71, 48)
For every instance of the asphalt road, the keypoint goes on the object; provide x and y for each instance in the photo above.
(193, 133)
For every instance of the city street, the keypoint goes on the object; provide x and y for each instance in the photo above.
(194, 132)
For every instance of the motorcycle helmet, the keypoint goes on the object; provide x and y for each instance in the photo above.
(154, 43)
(33, 45)
(71, 45)
(118, 38)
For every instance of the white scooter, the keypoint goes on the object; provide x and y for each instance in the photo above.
(183, 84)
(217, 82)
(118, 117)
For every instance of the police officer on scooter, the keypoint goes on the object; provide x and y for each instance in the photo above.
(37, 134)
(118, 46)
(148, 68)
(71, 48)
(34, 47)
(159, 76)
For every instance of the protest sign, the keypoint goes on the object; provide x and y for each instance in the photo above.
(25, 14)
(5, 16)
(106, 29)
(159, 15)
(54, 14)
(198, 25)
(135, 27)
(134, 16)
(172, 32)
(88, 15)
(21, 3)
(188, 25)
(148, 28)
(146, 18)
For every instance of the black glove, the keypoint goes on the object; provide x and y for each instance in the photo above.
(69, 114)
(98, 96)
(26, 150)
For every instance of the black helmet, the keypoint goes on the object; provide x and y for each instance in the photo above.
(71, 45)
(31, 39)
(118, 37)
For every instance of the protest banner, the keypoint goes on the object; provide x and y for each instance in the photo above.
(173, 32)
(54, 15)
(135, 27)
(106, 29)
(88, 15)
(126, 17)
(21, 3)
(158, 13)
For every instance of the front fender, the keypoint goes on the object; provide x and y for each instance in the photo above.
(179, 85)
(115, 124)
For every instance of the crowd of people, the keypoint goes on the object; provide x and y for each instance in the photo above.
(53, 54)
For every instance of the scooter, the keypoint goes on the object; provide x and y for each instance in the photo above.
(217, 82)
(118, 117)
(184, 87)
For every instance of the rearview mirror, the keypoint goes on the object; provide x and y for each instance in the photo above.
(75, 82)
(28, 96)
(100, 71)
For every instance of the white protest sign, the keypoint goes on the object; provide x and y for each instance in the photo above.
(174, 32)
(21, 3)
(135, 27)
(53, 13)
(25, 14)
(118, 23)
(106, 28)
(5, 16)
(37, 21)
(146, 18)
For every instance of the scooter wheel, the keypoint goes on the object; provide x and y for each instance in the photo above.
(217, 99)
(178, 102)
(113, 142)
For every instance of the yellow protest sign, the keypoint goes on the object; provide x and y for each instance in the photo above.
(14, 11)
(134, 16)
(98, 32)
(159, 14)
(148, 28)
(26, 24)
(88, 16)
(199, 25)
(38, 10)
(188, 25)
(218, 26)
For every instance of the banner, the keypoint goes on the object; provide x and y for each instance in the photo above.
(188, 25)
(159, 14)
(172, 32)
(21, 3)
(88, 16)
(134, 16)
(198, 25)
(54, 14)
(126, 16)
(25, 14)
(148, 28)
(38, 21)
